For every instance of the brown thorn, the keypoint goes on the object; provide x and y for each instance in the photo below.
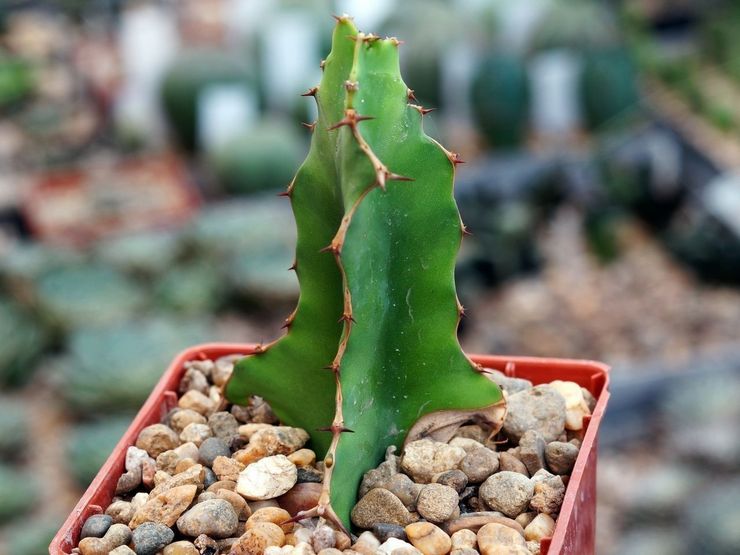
(302, 515)
(335, 429)
(347, 318)
(455, 158)
(309, 126)
(425, 111)
(284, 194)
(322, 64)
(334, 367)
(465, 230)
(363, 118)
(311, 92)
(410, 95)
(397, 177)
(395, 41)
(330, 248)
(341, 123)
(344, 18)
(351, 85)
(293, 266)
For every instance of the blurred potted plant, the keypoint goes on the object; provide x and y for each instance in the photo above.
(371, 357)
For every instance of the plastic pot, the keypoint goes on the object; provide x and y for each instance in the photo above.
(576, 526)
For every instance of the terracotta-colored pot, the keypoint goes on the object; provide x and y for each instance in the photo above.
(575, 532)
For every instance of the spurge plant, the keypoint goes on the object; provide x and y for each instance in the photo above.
(371, 356)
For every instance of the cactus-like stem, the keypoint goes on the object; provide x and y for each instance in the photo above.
(375, 261)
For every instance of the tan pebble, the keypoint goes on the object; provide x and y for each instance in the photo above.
(525, 518)
(140, 499)
(122, 550)
(322, 538)
(167, 461)
(464, 551)
(195, 475)
(276, 515)
(428, 538)
(290, 539)
(117, 535)
(257, 505)
(255, 540)
(464, 539)
(510, 463)
(181, 548)
(437, 502)
(303, 548)
(188, 450)
(166, 507)
(367, 544)
(534, 547)
(271, 530)
(222, 484)
(493, 537)
(302, 457)
(195, 433)
(247, 430)
(183, 465)
(330, 551)
(182, 417)
(424, 458)
(198, 402)
(237, 501)
(475, 521)
(267, 478)
(157, 439)
(160, 477)
(250, 454)
(395, 546)
(273, 550)
(576, 406)
(121, 512)
(302, 534)
(341, 540)
(465, 443)
(542, 526)
(226, 468)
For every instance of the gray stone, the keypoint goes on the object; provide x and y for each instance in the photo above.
(223, 425)
(384, 531)
(424, 458)
(379, 505)
(510, 385)
(308, 474)
(211, 448)
(456, 479)
(96, 526)
(215, 518)
(377, 477)
(437, 503)
(510, 463)
(479, 464)
(507, 492)
(532, 451)
(404, 488)
(541, 408)
(150, 537)
(561, 457)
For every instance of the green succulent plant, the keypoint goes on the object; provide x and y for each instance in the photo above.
(371, 356)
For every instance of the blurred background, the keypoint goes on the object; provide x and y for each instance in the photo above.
(142, 144)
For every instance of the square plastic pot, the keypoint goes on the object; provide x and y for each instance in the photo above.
(575, 532)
